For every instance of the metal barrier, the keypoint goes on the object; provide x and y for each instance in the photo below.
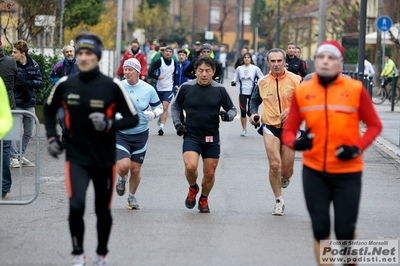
(16, 133)
(365, 79)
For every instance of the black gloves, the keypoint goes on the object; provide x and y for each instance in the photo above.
(55, 147)
(224, 116)
(180, 129)
(305, 142)
(233, 83)
(100, 122)
(257, 120)
(345, 152)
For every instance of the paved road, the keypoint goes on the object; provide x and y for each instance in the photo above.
(240, 229)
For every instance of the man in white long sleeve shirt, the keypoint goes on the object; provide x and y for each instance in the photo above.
(368, 68)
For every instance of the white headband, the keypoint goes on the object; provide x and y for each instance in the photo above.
(329, 48)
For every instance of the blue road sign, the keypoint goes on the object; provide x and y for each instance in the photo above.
(384, 23)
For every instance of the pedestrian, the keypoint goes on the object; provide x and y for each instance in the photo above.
(180, 67)
(332, 107)
(8, 73)
(247, 75)
(206, 50)
(261, 58)
(29, 79)
(6, 119)
(239, 61)
(388, 73)
(91, 100)
(195, 53)
(134, 52)
(165, 84)
(201, 99)
(65, 67)
(275, 91)
(293, 63)
(132, 142)
(368, 68)
(223, 61)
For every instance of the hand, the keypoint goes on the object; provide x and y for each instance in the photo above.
(345, 152)
(224, 116)
(55, 147)
(149, 115)
(100, 122)
(284, 115)
(161, 77)
(305, 142)
(233, 83)
(180, 129)
(256, 119)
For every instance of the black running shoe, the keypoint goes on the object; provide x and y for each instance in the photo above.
(190, 201)
(161, 131)
(203, 205)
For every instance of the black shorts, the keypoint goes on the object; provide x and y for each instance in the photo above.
(271, 130)
(132, 146)
(206, 151)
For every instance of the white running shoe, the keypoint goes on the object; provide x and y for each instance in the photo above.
(132, 203)
(244, 133)
(279, 208)
(15, 163)
(285, 182)
(100, 260)
(79, 260)
(26, 163)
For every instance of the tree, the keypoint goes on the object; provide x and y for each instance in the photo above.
(153, 3)
(154, 21)
(82, 11)
(226, 10)
(105, 28)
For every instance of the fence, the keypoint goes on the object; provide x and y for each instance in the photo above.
(22, 181)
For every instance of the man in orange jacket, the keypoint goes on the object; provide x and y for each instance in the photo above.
(332, 106)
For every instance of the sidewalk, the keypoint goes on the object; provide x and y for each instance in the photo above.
(389, 138)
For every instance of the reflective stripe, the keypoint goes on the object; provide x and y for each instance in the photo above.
(329, 107)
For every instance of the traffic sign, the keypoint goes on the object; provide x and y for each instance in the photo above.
(209, 35)
(384, 23)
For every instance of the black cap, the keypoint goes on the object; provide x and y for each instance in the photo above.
(198, 43)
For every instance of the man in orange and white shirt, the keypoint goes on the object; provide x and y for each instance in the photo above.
(275, 92)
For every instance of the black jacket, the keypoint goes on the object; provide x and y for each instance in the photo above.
(29, 79)
(296, 66)
(8, 72)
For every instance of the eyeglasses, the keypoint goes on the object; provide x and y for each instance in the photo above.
(206, 52)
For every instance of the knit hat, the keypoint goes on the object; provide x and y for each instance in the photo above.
(332, 47)
(133, 62)
(206, 47)
(91, 44)
(169, 47)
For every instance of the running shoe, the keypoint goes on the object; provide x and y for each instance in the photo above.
(190, 201)
(26, 163)
(285, 182)
(79, 260)
(244, 133)
(4, 194)
(132, 203)
(15, 163)
(160, 131)
(203, 205)
(100, 260)
(120, 187)
(279, 208)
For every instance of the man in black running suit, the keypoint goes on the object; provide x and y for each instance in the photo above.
(201, 99)
(90, 101)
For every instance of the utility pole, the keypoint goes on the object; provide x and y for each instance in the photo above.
(119, 32)
(378, 52)
(242, 35)
(361, 37)
(61, 24)
(322, 21)
(278, 25)
(209, 14)
(237, 28)
(255, 20)
(194, 20)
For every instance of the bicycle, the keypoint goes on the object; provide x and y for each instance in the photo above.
(385, 93)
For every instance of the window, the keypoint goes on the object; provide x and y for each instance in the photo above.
(247, 16)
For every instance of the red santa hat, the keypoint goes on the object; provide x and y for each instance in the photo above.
(332, 47)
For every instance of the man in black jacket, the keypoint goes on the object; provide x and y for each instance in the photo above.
(90, 101)
(29, 79)
(8, 72)
(294, 64)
